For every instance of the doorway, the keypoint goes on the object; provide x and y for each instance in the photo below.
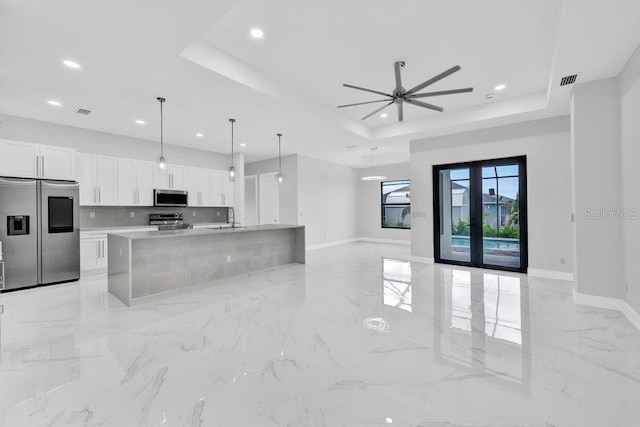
(268, 199)
(480, 214)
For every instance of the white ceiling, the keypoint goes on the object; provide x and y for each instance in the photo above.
(200, 57)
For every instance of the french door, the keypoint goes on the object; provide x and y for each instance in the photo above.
(480, 214)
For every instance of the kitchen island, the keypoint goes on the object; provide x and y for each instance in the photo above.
(145, 264)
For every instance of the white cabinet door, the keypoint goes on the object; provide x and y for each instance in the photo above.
(86, 175)
(178, 176)
(126, 182)
(161, 178)
(57, 162)
(19, 159)
(90, 254)
(144, 183)
(216, 187)
(193, 196)
(227, 190)
(107, 180)
(205, 187)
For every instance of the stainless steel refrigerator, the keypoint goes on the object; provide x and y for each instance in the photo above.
(39, 231)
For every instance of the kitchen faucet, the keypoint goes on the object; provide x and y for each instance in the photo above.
(231, 214)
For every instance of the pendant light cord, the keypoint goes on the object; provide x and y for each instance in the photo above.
(161, 100)
(232, 122)
(279, 154)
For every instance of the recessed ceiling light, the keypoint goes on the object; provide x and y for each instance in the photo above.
(71, 64)
(489, 96)
(388, 420)
(500, 87)
(199, 135)
(384, 115)
(257, 33)
(140, 122)
(54, 103)
(243, 145)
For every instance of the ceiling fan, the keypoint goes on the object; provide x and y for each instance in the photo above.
(401, 95)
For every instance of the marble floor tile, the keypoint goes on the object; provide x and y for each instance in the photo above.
(358, 336)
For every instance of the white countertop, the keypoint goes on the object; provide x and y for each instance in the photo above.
(199, 231)
(91, 231)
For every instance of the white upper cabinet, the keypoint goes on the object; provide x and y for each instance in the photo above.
(135, 182)
(57, 162)
(98, 179)
(222, 188)
(172, 177)
(27, 160)
(199, 186)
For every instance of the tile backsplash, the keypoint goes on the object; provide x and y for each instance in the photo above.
(114, 216)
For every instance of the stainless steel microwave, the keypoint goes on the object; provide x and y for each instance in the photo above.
(174, 198)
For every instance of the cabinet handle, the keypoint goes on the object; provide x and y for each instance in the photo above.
(223, 201)
(37, 165)
(102, 248)
(42, 166)
(99, 195)
(95, 194)
(138, 195)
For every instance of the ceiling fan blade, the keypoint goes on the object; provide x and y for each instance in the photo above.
(434, 79)
(367, 90)
(379, 109)
(425, 105)
(362, 103)
(442, 92)
(397, 67)
(400, 112)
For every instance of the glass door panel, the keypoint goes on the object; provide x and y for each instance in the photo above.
(500, 215)
(454, 229)
(480, 214)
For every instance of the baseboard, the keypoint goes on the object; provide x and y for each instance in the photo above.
(392, 241)
(609, 304)
(550, 274)
(329, 244)
(358, 239)
(421, 259)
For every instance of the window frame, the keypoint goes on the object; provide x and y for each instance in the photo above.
(383, 205)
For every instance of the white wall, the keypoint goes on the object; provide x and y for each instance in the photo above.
(595, 146)
(369, 209)
(546, 143)
(328, 200)
(629, 87)
(288, 191)
(108, 144)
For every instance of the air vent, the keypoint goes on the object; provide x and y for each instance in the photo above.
(568, 80)
(83, 111)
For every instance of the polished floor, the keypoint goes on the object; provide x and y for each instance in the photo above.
(356, 337)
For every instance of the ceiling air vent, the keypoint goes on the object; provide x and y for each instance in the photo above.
(568, 80)
(83, 111)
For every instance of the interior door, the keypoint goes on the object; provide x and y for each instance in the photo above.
(251, 200)
(480, 215)
(269, 199)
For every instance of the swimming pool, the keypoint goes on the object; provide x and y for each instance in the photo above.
(489, 243)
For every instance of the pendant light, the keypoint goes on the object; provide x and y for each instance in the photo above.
(373, 177)
(161, 164)
(279, 177)
(232, 169)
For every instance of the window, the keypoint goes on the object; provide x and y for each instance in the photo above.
(396, 204)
